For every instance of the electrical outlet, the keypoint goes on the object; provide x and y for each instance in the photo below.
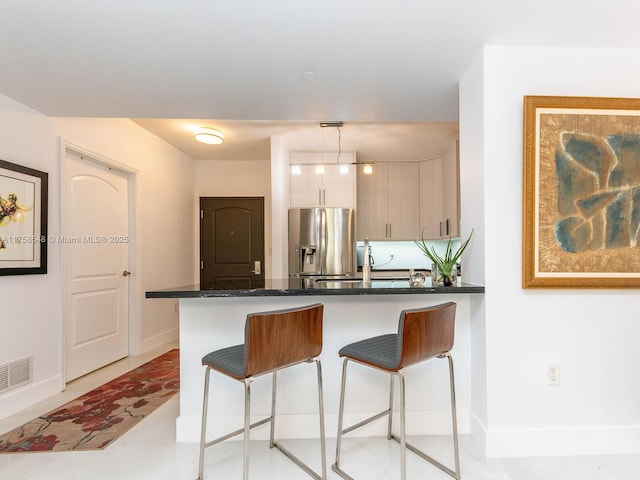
(553, 375)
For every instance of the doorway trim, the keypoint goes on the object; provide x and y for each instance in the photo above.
(134, 260)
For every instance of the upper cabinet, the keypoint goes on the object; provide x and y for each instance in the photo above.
(440, 195)
(410, 200)
(388, 202)
(451, 192)
(317, 184)
(431, 199)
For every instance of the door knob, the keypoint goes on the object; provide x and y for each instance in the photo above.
(126, 273)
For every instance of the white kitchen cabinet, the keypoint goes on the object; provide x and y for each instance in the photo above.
(388, 202)
(371, 214)
(451, 192)
(431, 198)
(439, 196)
(322, 185)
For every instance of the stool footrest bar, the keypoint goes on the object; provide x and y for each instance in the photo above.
(364, 422)
(341, 472)
(215, 441)
(428, 458)
(297, 461)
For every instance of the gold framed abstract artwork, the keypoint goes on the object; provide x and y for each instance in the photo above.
(581, 205)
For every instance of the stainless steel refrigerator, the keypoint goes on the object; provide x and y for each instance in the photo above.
(321, 242)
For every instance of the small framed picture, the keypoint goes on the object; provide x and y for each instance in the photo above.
(23, 220)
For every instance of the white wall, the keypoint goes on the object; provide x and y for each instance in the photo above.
(472, 206)
(591, 334)
(234, 179)
(280, 187)
(31, 322)
(31, 319)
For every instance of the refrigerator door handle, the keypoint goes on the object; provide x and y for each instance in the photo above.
(322, 254)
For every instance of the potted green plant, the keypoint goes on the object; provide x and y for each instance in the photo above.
(446, 264)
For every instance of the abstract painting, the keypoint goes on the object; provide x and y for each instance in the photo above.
(581, 210)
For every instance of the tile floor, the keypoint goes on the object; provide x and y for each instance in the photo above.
(149, 452)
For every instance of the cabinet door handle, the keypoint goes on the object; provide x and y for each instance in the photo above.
(447, 226)
(324, 196)
(319, 196)
(389, 230)
(441, 229)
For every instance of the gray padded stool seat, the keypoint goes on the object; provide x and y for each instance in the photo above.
(382, 350)
(273, 340)
(230, 360)
(423, 333)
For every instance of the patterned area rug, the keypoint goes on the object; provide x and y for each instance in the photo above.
(96, 419)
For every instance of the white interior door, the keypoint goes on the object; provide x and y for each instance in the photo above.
(95, 226)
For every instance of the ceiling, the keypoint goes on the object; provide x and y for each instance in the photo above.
(249, 140)
(252, 67)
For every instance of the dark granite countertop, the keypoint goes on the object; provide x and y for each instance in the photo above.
(297, 286)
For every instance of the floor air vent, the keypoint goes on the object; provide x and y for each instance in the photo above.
(15, 374)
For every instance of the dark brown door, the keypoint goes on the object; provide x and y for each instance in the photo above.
(231, 242)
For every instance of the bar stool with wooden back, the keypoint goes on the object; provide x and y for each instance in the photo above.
(273, 340)
(423, 333)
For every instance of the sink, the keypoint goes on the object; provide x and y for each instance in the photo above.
(389, 278)
(383, 282)
(344, 280)
(358, 280)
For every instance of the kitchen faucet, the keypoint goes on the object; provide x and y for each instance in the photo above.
(366, 265)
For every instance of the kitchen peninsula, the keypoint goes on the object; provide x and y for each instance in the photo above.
(212, 319)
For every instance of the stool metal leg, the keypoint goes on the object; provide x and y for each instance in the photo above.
(453, 473)
(273, 410)
(390, 426)
(247, 427)
(403, 429)
(203, 428)
(402, 440)
(336, 466)
(323, 448)
(293, 457)
(454, 418)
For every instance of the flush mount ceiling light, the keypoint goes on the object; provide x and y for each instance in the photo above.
(208, 135)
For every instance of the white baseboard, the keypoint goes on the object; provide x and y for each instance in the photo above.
(478, 432)
(159, 340)
(306, 426)
(555, 442)
(17, 400)
(551, 442)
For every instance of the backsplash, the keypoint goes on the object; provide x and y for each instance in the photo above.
(390, 255)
